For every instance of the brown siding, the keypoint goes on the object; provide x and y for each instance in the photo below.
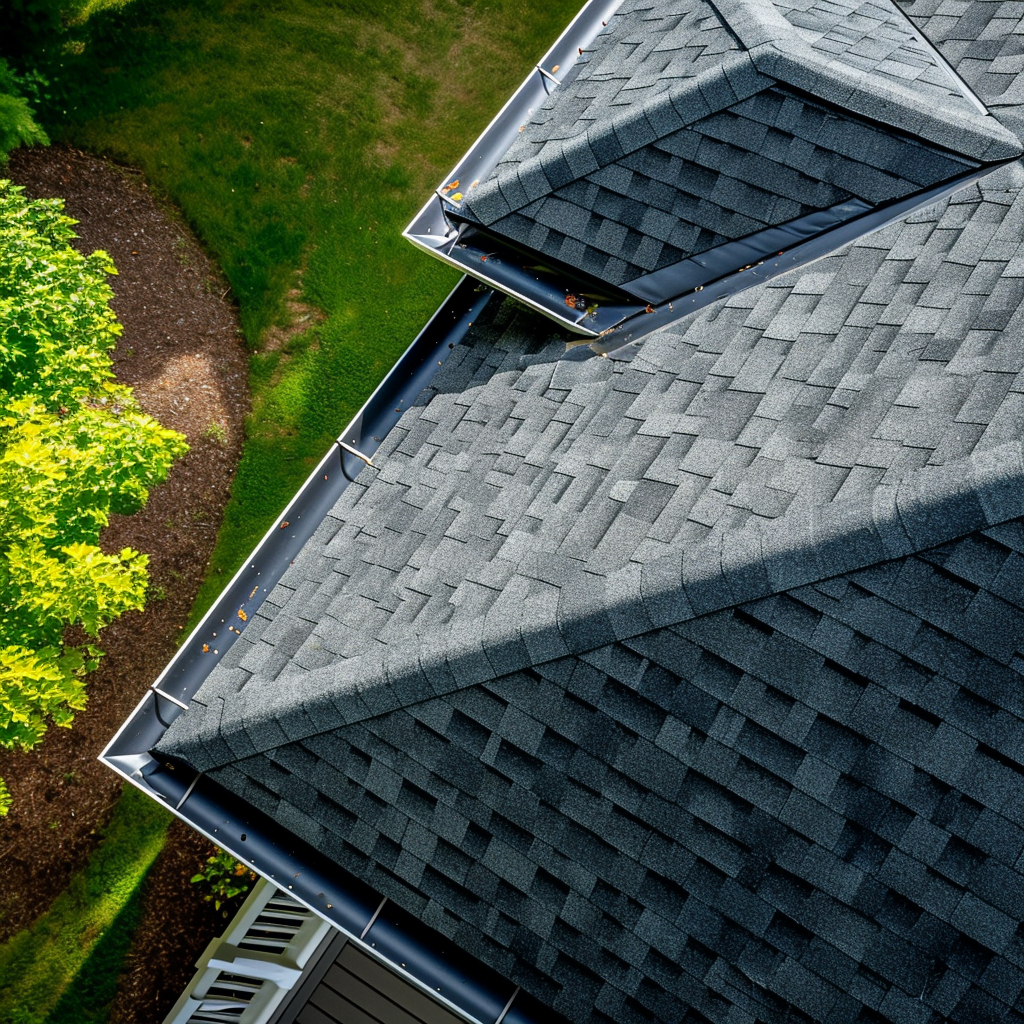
(358, 990)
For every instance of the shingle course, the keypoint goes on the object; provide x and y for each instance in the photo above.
(718, 149)
(824, 788)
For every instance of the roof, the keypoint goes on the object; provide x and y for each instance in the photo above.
(520, 473)
(689, 688)
(691, 125)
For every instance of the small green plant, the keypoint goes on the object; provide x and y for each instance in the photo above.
(182, 251)
(215, 432)
(223, 878)
(17, 123)
(155, 593)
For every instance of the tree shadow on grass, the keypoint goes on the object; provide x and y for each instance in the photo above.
(88, 998)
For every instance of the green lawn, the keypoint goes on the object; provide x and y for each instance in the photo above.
(300, 137)
(75, 950)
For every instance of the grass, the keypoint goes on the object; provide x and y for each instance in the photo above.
(65, 967)
(299, 137)
(88, 998)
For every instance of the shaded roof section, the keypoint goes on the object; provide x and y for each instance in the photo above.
(693, 125)
(806, 805)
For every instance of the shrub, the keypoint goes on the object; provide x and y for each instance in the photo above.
(223, 878)
(26, 26)
(74, 448)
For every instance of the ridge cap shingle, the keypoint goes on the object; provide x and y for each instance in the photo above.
(797, 64)
(706, 93)
(780, 49)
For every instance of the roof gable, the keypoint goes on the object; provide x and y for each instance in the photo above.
(689, 128)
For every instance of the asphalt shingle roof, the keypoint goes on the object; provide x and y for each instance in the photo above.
(689, 688)
(682, 131)
(810, 801)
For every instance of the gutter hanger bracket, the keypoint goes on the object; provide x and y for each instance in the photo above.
(357, 453)
(188, 792)
(508, 1006)
(376, 914)
(547, 74)
(167, 696)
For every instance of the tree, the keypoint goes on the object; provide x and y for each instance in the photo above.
(74, 448)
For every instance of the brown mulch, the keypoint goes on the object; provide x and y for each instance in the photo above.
(175, 928)
(183, 354)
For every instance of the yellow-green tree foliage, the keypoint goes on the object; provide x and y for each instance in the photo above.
(74, 448)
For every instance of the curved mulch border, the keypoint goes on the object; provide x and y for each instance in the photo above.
(183, 354)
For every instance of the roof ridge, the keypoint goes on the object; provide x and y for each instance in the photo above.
(776, 52)
(800, 66)
(760, 25)
(814, 542)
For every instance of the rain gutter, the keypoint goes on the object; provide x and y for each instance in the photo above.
(662, 297)
(467, 987)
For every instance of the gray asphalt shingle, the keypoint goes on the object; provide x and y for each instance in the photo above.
(776, 706)
(690, 688)
(717, 141)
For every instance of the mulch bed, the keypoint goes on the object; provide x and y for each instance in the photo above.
(183, 354)
(175, 928)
